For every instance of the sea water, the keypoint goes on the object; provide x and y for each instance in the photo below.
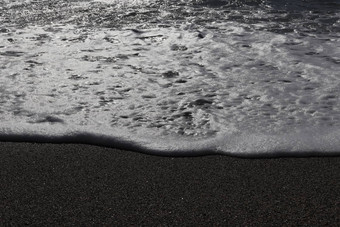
(245, 78)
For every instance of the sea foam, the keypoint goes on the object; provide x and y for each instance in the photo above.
(189, 87)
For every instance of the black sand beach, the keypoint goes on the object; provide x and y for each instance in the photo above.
(75, 184)
(184, 68)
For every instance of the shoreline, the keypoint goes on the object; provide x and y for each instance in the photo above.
(53, 184)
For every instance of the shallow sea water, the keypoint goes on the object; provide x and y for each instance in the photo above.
(246, 78)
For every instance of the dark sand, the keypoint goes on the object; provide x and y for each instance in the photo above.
(46, 184)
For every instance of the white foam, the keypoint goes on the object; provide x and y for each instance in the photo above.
(178, 90)
(304, 142)
(126, 3)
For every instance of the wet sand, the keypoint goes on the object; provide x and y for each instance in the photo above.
(65, 184)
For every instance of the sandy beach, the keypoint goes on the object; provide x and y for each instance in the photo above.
(76, 184)
(252, 78)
